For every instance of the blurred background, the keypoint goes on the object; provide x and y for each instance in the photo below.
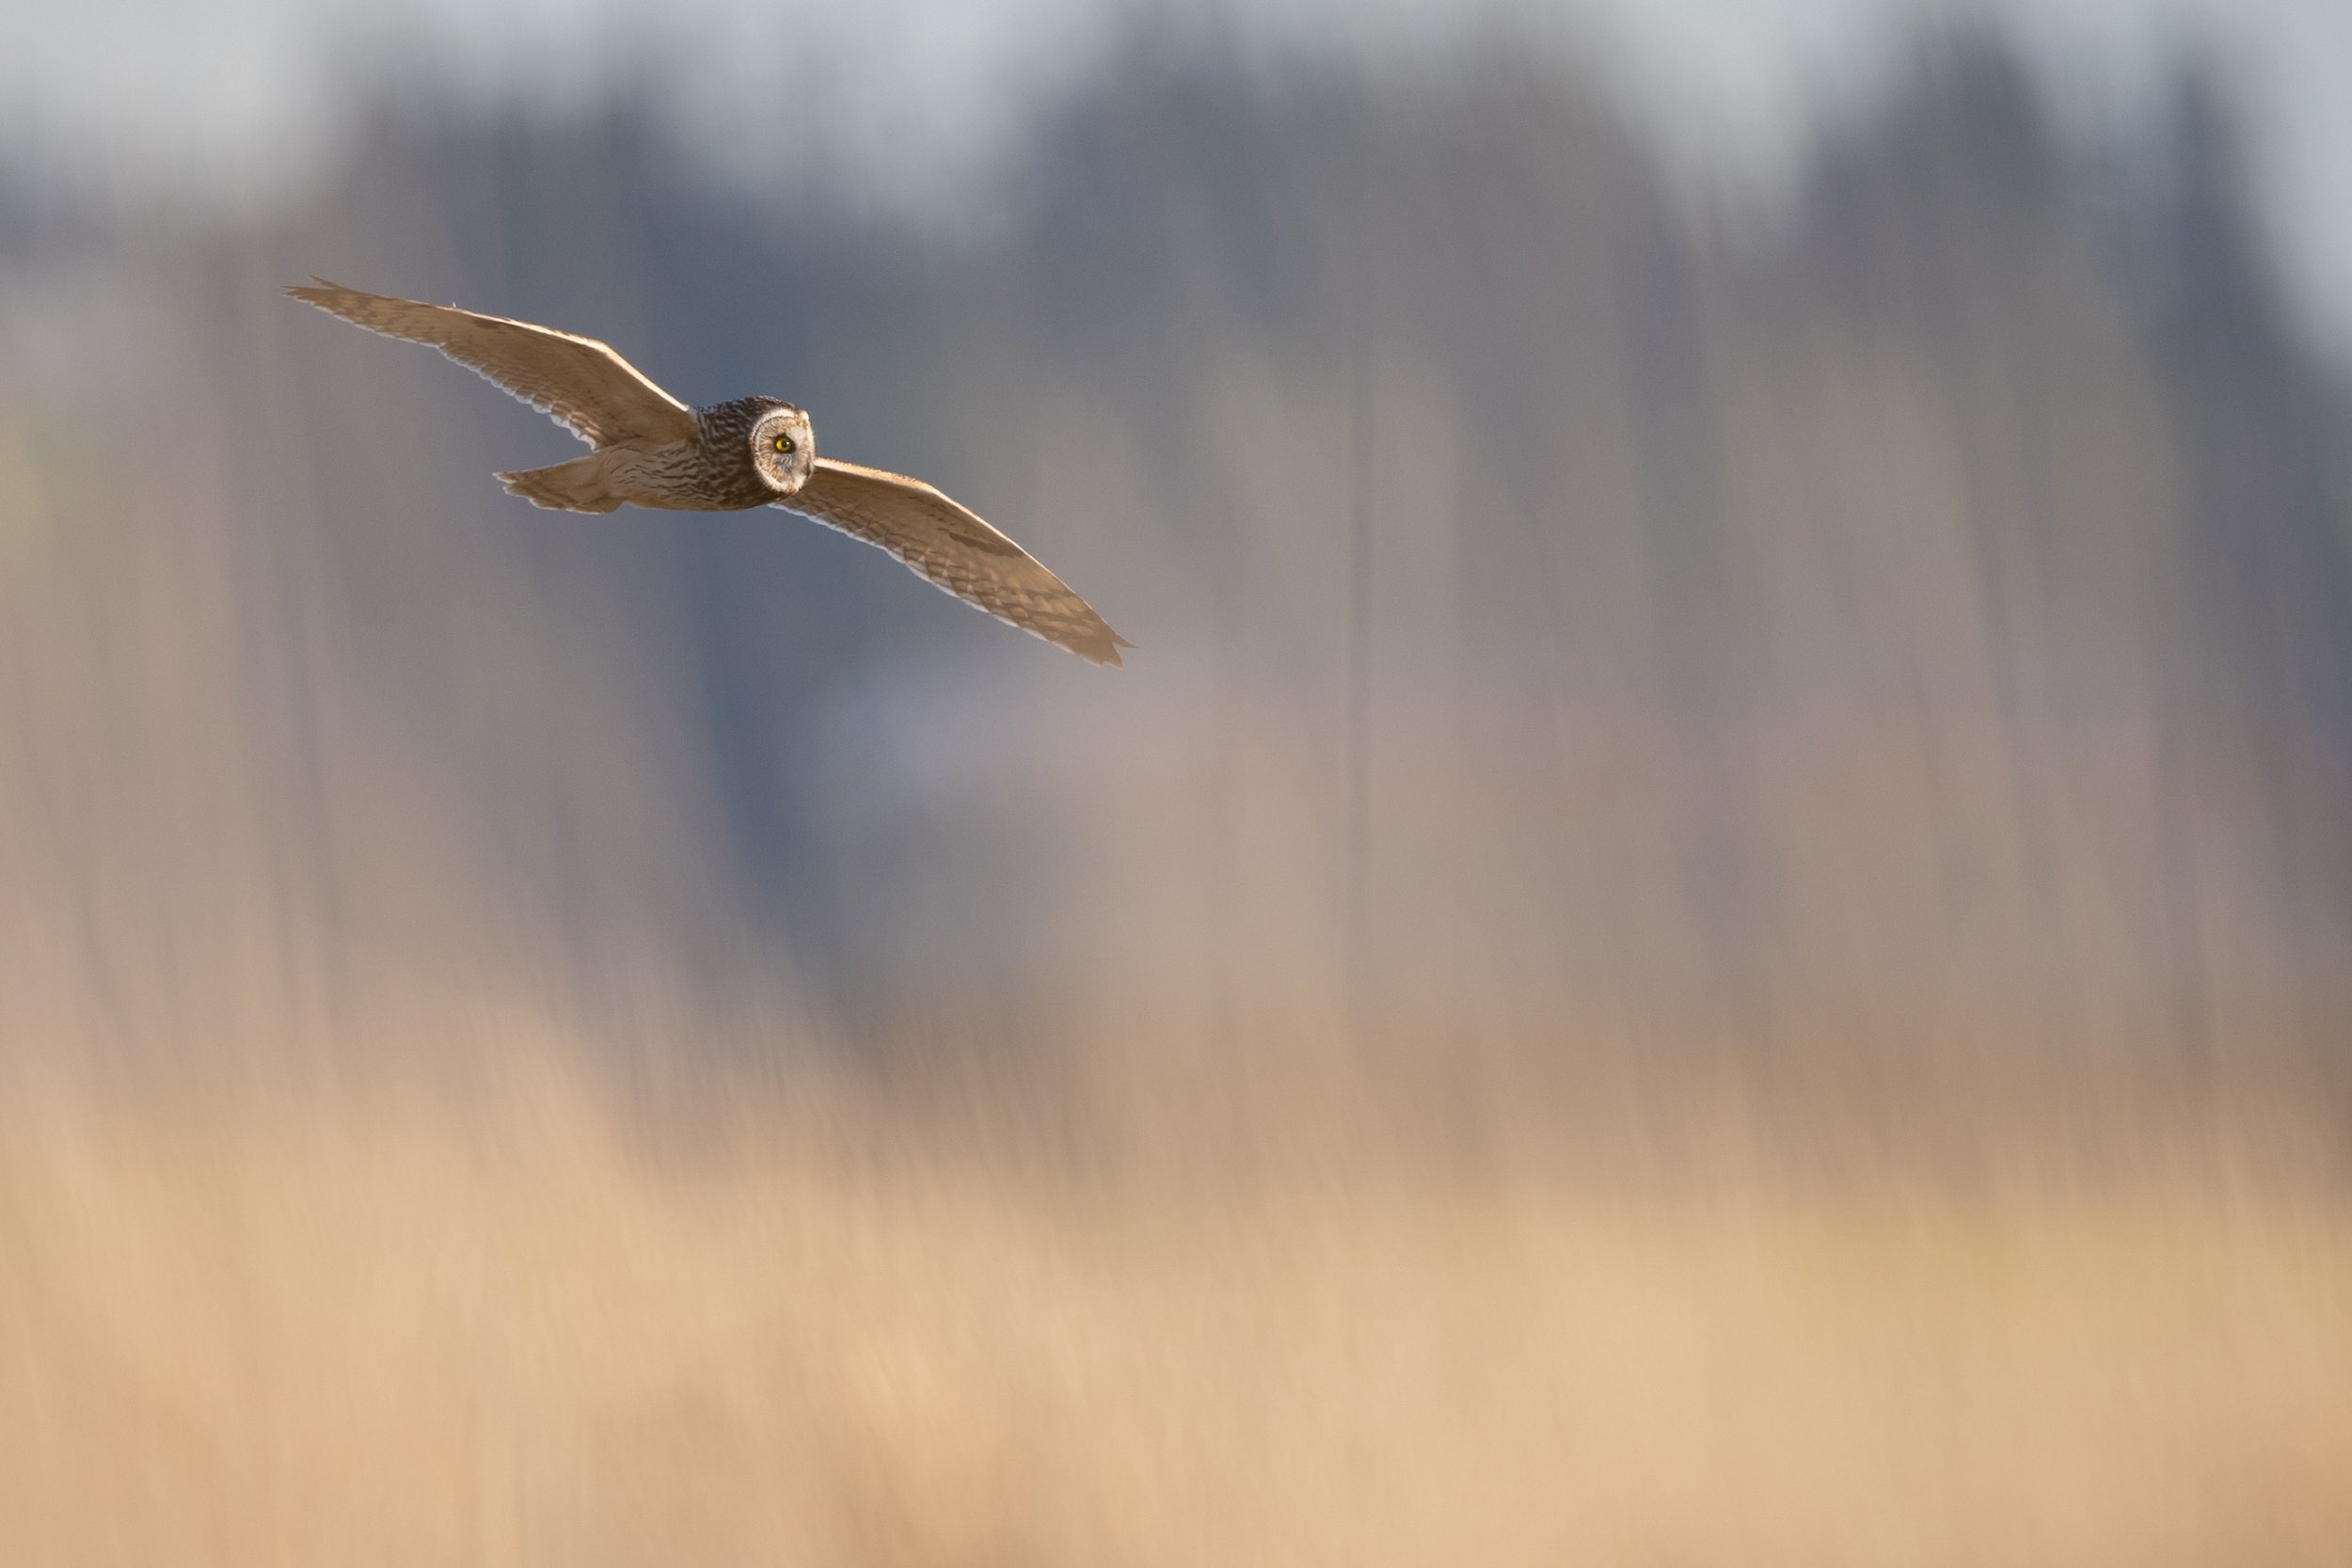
(1712, 922)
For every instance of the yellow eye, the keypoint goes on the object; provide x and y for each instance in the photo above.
(784, 443)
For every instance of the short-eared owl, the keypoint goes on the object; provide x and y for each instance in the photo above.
(651, 450)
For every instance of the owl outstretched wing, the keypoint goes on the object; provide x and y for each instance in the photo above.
(955, 550)
(600, 396)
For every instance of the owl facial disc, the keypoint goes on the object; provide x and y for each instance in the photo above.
(784, 450)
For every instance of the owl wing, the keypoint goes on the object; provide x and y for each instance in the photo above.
(956, 552)
(580, 381)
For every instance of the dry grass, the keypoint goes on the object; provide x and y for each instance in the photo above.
(258, 1335)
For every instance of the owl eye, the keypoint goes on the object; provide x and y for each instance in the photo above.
(784, 443)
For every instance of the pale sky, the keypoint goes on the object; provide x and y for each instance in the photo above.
(239, 96)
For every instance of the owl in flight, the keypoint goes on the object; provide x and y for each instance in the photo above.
(651, 450)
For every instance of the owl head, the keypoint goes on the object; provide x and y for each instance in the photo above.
(782, 449)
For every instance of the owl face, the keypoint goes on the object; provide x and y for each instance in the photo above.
(783, 449)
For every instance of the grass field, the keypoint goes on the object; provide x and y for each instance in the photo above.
(375, 1330)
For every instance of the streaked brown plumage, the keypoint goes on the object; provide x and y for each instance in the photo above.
(650, 449)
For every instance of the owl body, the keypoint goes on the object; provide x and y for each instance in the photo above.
(650, 449)
(731, 464)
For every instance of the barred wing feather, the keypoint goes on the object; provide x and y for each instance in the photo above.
(578, 381)
(955, 550)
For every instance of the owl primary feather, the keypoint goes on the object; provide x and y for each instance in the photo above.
(648, 448)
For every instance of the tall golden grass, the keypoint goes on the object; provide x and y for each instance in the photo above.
(527, 1323)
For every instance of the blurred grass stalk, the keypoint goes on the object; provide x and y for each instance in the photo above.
(529, 1323)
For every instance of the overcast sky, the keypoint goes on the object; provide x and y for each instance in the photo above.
(242, 95)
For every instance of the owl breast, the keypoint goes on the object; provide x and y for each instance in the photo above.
(726, 479)
(681, 476)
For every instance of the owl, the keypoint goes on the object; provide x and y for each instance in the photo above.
(650, 449)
